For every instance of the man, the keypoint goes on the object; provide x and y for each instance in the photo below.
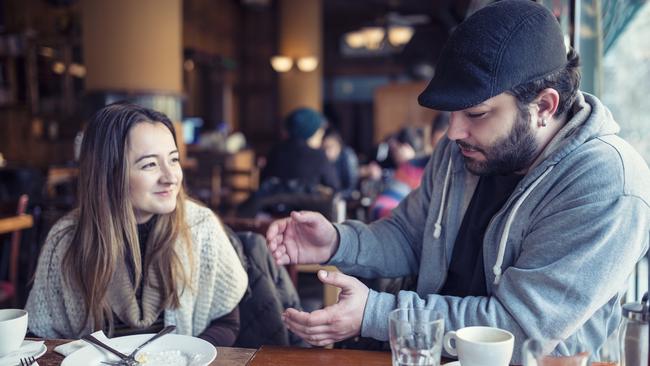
(530, 217)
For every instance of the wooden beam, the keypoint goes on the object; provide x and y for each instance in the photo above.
(13, 223)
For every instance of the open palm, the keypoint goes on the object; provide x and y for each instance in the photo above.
(303, 238)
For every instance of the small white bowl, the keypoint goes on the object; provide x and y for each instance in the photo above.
(13, 327)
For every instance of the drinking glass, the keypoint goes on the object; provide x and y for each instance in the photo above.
(415, 336)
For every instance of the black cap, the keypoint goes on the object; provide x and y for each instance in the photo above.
(500, 46)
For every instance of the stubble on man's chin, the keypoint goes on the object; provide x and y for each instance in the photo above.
(474, 167)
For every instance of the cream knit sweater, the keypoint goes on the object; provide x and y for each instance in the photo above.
(218, 281)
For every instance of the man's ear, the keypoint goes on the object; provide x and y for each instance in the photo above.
(547, 102)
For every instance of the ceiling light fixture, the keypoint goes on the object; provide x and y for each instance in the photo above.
(400, 35)
(372, 38)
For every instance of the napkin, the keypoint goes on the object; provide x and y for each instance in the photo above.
(70, 347)
(27, 348)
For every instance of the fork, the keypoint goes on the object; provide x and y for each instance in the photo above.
(125, 360)
(165, 330)
(27, 361)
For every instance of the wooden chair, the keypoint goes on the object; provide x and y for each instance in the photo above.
(222, 180)
(9, 289)
(239, 178)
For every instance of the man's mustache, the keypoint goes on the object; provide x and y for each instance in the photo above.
(467, 146)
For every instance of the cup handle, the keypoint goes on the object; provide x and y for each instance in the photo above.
(446, 342)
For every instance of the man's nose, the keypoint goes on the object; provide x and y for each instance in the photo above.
(457, 126)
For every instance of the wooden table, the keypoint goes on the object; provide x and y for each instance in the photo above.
(13, 223)
(267, 356)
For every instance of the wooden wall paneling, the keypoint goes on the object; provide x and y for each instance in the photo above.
(396, 106)
(256, 89)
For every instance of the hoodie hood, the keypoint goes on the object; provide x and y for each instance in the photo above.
(589, 119)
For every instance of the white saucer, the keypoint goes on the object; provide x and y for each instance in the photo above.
(36, 354)
(40, 352)
(455, 363)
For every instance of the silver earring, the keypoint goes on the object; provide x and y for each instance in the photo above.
(543, 124)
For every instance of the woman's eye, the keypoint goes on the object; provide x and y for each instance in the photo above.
(149, 165)
(176, 160)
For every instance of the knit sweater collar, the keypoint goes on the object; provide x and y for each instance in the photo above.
(136, 308)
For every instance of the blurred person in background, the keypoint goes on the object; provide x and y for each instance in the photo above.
(409, 172)
(388, 155)
(299, 158)
(344, 159)
(407, 144)
(136, 254)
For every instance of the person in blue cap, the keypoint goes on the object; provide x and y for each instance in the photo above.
(531, 214)
(299, 158)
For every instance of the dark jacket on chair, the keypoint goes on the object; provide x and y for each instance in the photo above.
(270, 291)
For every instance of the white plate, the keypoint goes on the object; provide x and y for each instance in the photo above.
(92, 356)
(36, 354)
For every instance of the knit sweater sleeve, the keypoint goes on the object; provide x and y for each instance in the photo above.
(53, 313)
(220, 281)
(230, 280)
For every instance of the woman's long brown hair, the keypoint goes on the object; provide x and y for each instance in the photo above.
(106, 231)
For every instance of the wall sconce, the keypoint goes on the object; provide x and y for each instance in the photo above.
(307, 64)
(58, 68)
(281, 63)
(285, 63)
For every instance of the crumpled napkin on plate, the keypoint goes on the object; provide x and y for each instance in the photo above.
(70, 347)
(27, 348)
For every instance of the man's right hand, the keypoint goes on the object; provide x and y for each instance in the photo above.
(304, 237)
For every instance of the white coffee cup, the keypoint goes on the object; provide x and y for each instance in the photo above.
(480, 346)
(13, 327)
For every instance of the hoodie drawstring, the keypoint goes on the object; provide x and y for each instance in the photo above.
(438, 226)
(504, 235)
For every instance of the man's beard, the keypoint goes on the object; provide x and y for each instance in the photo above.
(512, 153)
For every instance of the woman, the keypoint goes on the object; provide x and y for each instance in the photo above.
(136, 254)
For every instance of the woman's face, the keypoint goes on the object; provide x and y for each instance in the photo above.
(401, 152)
(155, 174)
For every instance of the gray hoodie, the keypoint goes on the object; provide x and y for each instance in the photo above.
(557, 255)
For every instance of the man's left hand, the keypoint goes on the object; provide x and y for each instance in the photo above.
(335, 322)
